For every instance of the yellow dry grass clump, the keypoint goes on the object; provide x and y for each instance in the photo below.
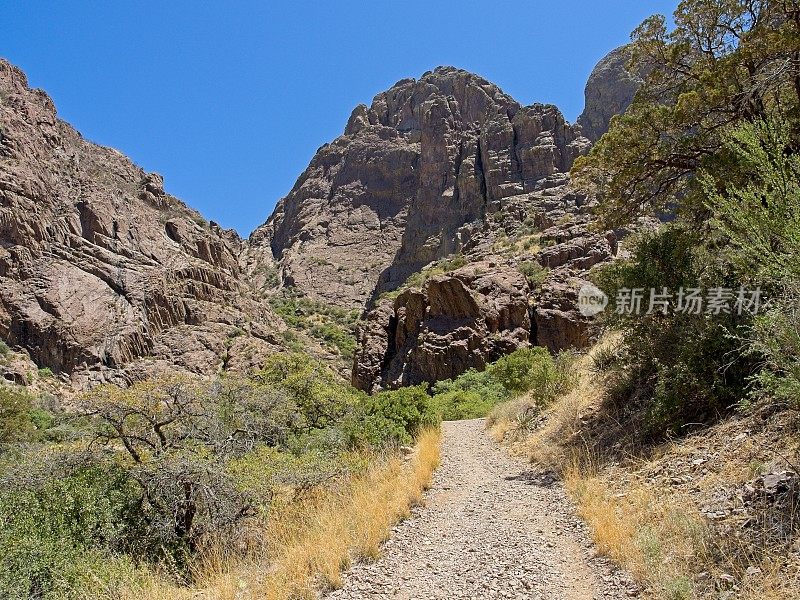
(308, 543)
(637, 517)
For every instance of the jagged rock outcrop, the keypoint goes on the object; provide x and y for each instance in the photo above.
(428, 171)
(106, 277)
(609, 91)
(475, 314)
(395, 192)
(103, 275)
(455, 322)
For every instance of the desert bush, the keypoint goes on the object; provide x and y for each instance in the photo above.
(60, 512)
(472, 380)
(533, 272)
(678, 367)
(311, 386)
(15, 414)
(462, 404)
(402, 413)
(532, 370)
(758, 214)
(470, 395)
(475, 393)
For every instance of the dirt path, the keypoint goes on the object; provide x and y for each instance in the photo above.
(490, 529)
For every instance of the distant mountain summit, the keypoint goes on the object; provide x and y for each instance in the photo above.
(411, 179)
(105, 277)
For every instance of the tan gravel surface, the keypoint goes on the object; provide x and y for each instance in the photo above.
(491, 528)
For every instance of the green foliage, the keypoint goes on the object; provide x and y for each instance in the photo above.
(308, 385)
(679, 368)
(15, 414)
(45, 373)
(61, 520)
(462, 404)
(758, 214)
(758, 211)
(333, 326)
(532, 370)
(401, 413)
(533, 272)
(479, 382)
(725, 62)
(4, 349)
(529, 370)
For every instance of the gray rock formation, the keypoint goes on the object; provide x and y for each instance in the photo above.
(455, 322)
(609, 91)
(428, 157)
(474, 314)
(104, 276)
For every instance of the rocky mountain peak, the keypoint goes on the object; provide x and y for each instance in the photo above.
(427, 158)
(469, 97)
(609, 91)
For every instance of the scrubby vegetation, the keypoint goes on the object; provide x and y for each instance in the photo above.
(176, 484)
(712, 138)
(153, 479)
(333, 326)
(532, 371)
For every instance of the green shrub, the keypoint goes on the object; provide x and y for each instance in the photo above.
(470, 395)
(15, 414)
(45, 372)
(533, 272)
(462, 404)
(531, 370)
(320, 397)
(404, 412)
(679, 368)
(472, 380)
(60, 522)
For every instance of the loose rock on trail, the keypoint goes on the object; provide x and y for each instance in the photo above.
(491, 528)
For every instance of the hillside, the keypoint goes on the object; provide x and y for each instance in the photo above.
(107, 278)
(104, 276)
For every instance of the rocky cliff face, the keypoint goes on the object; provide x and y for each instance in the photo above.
(441, 166)
(104, 276)
(410, 177)
(609, 91)
(525, 266)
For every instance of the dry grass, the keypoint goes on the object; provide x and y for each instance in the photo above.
(658, 539)
(643, 505)
(305, 545)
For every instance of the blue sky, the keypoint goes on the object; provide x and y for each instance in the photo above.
(230, 100)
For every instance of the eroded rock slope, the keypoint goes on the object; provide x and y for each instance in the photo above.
(104, 276)
(411, 178)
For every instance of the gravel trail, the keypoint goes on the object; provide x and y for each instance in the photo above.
(491, 528)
